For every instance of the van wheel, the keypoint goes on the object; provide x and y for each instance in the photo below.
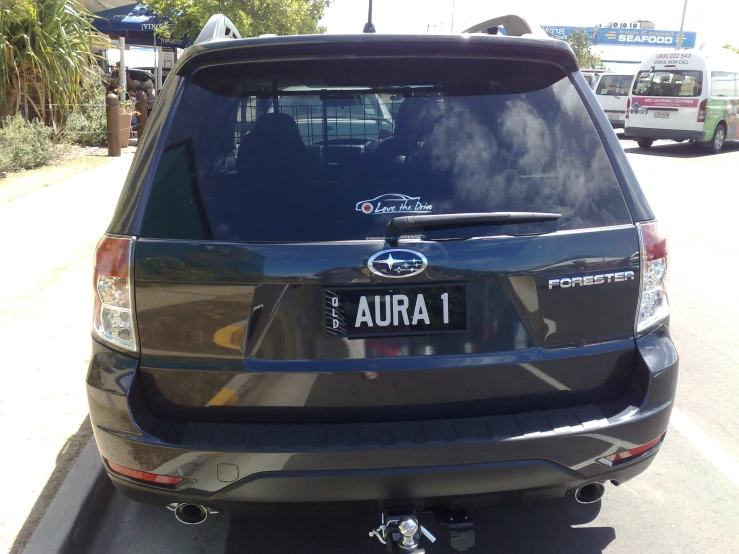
(645, 143)
(719, 138)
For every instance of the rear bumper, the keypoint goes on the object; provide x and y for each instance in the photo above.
(540, 453)
(662, 134)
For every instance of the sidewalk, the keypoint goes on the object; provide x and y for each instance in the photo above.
(49, 238)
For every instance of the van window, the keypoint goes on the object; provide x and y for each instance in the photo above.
(668, 83)
(614, 85)
(723, 83)
(294, 152)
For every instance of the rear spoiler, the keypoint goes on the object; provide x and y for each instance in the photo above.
(514, 26)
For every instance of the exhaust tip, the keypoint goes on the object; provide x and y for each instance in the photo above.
(590, 493)
(190, 514)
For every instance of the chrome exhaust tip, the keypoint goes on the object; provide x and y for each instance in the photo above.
(190, 514)
(590, 493)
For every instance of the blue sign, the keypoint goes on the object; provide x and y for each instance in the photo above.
(626, 37)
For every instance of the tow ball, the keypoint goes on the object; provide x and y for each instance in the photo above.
(401, 532)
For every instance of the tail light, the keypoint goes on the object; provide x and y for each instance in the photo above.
(113, 320)
(628, 107)
(384, 134)
(702, 112)
(654, 306)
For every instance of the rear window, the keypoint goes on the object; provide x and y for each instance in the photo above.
(668, 83)
(614, 85)
(328, 151)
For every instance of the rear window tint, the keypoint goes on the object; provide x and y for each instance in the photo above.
(327, 151)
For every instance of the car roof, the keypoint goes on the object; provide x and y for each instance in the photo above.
(217, 51)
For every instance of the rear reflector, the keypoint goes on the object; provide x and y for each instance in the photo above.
(144, 476)
(654, 306)
(627, 455)
(113, 320)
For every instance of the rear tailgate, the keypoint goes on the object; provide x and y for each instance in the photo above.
(262, 286)
(667, 99)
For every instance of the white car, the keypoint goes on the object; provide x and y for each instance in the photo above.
(612, 90)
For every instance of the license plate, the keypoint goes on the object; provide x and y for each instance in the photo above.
(395, 311)
(662, 115)
(615, 116)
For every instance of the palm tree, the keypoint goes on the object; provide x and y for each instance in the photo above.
(45, 47)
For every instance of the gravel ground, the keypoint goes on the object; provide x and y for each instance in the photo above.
(50, 231)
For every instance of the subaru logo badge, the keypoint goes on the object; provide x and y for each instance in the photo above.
(397, 263)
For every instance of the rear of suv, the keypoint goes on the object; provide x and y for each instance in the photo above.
(468, 299)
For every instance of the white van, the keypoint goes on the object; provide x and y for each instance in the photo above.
(685, 95)
(612, 90)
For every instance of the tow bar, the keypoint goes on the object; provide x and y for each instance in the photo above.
(401, 532)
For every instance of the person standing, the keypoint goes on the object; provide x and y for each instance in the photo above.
(151, 94)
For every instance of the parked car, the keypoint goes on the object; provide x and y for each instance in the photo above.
(150, 73)
(477, 306)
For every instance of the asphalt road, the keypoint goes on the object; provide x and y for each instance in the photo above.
(688, 501)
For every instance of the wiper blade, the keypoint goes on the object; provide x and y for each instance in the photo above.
(448, 221)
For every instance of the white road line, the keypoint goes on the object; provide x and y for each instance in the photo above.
(708, 447)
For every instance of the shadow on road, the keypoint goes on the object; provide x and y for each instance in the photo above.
(545, 526)
(680, 150)
(64, 462)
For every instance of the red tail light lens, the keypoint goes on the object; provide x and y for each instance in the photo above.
(385, 134)
(144, 475)
(628, 107)
(702, 112)
(113, 320)
(615, 459)
(654, 306)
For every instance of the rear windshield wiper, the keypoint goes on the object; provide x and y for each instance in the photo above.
(448, 221)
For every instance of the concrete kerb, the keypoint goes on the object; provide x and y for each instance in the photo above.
(69, 522)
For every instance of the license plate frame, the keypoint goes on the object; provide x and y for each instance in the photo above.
(659, 114)
(347, 317)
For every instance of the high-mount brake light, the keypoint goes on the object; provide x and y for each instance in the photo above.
(654, 306)
(113, 320)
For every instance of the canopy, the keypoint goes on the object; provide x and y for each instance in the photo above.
(134, 22)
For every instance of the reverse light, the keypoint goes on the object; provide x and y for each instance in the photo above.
(654, 305)
(626, 455)
(113, 320)
(144, 476)
(702, 112)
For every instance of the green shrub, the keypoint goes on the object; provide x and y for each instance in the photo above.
(86, 125)
(24, 145)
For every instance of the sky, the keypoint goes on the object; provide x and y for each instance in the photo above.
(715, 21)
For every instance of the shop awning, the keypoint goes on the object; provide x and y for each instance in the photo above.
(134, 22)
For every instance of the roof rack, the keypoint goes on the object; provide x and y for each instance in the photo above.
(514, 26)
(218, 27)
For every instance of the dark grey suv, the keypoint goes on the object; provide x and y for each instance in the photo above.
(469, 303)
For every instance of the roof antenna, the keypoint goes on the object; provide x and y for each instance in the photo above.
(369, 27)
